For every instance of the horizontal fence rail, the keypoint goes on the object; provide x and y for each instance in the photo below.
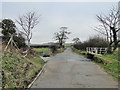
(97, 50)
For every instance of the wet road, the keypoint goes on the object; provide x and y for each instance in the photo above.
(69, 70)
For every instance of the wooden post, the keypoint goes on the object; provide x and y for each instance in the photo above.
(96, 50)
(12, 42)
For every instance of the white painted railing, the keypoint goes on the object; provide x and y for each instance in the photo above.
(96, 50)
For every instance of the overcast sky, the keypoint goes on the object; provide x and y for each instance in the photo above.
(79, 17)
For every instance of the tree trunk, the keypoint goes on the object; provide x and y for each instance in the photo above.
(28, 43)
(60, 42)
(109, 49)
(115, 39)
(61, 45)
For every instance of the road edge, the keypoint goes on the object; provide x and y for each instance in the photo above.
(101, 68)
(41, 71)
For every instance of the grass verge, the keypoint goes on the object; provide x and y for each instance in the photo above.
(18, 72)
(112, 64)
(78, 51)
(61, 50)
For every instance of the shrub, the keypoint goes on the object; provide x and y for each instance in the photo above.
(95, 41)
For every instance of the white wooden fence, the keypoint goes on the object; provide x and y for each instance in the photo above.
(96, 50)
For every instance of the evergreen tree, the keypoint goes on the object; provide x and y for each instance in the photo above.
(8, 29)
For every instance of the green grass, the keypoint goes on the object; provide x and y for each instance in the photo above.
(78, 51)
(111, 59)
(68, 45)
(19, 71)
(110, 69)
(46, 51)
(112, 66)
(61, 50)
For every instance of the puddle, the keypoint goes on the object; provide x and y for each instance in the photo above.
(45, 58)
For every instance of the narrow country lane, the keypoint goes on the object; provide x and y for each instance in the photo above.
(69, 70)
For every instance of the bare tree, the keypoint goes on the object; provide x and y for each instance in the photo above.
(76, 40)
(61, 36)
(27, 23)
(109, 28)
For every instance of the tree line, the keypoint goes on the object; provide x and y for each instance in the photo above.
(95, 41)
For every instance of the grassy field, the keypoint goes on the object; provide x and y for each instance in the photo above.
(47, 51)
(19, 71)
(111, 59)
(68, 44)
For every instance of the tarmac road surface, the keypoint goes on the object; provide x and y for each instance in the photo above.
(69, 70)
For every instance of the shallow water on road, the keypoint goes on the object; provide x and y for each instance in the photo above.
(67, 55)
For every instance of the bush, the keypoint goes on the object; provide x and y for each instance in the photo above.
(95, 41)
(54, 48)
(9, 29)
